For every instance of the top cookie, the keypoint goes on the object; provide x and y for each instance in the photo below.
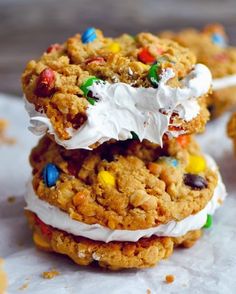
(93, 88)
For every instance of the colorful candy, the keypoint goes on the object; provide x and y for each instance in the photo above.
(84, 87)
(53, 47)
(195, 181)
(145, 56)
(196, 164)
(114, 47)
(78, 198)
(183, 140)
(97, 59)
(89, 35)
(106, 178)
(153, 167)
(153, 76)
(134, 136)
(45, 229)
(50, 174)
(218, 39)
(169, 160)
(45, 83)
(209, 222)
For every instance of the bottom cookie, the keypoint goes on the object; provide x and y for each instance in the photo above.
(231, 129)
(113, 255)
(221, 101)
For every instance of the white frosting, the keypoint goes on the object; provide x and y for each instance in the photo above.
(53, 216)
(122, 108)
(221, 83)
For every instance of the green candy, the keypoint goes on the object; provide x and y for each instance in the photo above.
(209, 221)
(134, 136)
(153, 76)
(84, 88)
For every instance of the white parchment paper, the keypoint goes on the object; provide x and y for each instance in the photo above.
(208, 267)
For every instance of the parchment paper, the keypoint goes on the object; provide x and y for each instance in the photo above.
(208, 267)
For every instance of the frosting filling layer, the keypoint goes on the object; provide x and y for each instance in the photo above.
(225, 82)
(122, 109)
(56, 218)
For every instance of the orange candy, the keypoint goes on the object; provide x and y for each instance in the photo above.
(78, 198)
(183, 140)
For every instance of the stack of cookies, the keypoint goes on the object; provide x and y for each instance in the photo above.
(211, 48)
(118, 178)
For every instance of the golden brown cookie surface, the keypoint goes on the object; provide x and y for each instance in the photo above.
(125, 185)
(231, 129)
(54, 82)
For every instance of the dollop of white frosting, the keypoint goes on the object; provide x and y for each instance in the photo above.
(56, 218)
(225, 82)
(122, 108)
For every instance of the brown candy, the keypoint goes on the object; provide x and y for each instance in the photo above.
(196, 182)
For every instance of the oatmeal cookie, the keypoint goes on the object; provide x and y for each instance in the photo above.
(147, 252)
(211, 48)
(73, 85)
(124, 185)
(231, 129)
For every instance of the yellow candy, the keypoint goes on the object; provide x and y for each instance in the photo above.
(39, 241)
(196, 164)
(106, 178)
(144, 66)
(114, 47)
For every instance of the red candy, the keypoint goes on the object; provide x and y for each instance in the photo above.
(221, 57)
(45, 83)
(183, 140)
(53, 47)
(45, 230)
(145, 56)
(95, 60)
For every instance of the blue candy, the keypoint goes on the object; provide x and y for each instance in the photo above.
(50, 174)
(89, 35)
(170, 160)
(218, 40)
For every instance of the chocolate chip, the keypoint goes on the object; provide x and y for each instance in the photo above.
(194, 181)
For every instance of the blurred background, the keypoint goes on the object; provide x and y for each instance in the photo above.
(28, 27)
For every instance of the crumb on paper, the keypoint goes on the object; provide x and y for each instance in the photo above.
(24, 286)
(170, 279)
(50, 274)
(148, 291)
(11, 199)
(220, 201)
(3, 138)
(3, 278)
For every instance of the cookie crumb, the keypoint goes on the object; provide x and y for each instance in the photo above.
(11, 199)
(3, 138)
(24, 286)
(170, 279)
(50, 274)
(148, 291)
(3, 278)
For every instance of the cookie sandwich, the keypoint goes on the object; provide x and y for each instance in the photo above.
(117, 178)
